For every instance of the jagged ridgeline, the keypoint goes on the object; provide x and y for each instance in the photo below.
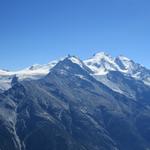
(102, 103)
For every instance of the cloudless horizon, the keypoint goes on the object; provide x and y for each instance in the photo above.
(38, 31)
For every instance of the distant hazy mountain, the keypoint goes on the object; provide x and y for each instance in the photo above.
(102, 103)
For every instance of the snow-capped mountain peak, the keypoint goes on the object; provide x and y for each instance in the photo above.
(75, 60)
(101, 56)
(101, 63)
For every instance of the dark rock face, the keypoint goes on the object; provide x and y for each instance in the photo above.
(70, 110)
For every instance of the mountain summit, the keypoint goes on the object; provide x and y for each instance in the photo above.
(102, 63)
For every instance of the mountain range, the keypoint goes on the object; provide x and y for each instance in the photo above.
(102, 103)
(101, 66)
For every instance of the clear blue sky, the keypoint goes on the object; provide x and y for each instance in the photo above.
(37, 31)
